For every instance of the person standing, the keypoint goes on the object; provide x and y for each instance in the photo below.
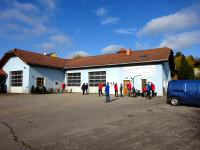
(121, 88)
(83, 88)
(107, 91)
(100, 86)
(63, 87)
(116, 89)
(86, 88)
(149, 91)
(153, 89)
(129, 86)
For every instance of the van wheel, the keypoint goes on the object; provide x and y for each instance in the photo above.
(174, 101)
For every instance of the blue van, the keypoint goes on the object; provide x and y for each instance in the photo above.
(183, 91)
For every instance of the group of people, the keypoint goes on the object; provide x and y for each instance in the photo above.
(84, 88)
(149, 90)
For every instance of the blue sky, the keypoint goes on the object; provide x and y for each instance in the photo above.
(92, 27)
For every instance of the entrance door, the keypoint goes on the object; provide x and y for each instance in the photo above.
(125, 86)
(144, 82)
(40, 81)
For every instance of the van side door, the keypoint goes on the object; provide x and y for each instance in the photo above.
(191, 92)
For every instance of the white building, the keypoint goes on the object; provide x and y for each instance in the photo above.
(153, 65)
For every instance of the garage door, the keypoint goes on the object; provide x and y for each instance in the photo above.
(16, 80)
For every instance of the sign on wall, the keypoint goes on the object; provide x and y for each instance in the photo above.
(140, 70)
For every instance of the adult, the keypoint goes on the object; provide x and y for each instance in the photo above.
(144, 91)
(148, 91)
(107, 91)
(116, 89)
(153, 87)
(83, 88)
(129, 86)
(63, 87)
(100, 87)
(121, 89)
(86, 88)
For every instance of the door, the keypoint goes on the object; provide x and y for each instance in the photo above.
(144, 82)
(16, 81)
(40, 81)
(125, 86)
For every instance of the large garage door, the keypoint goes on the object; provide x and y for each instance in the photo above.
(16, 80)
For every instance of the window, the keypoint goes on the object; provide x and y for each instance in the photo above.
(16, 78)
(40, 81)
(74, 79)
(96, 77)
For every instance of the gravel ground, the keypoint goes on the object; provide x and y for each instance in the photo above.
(74, 121)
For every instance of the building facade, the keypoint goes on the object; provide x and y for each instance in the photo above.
(25, 69)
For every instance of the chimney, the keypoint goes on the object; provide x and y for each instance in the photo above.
(128, 52)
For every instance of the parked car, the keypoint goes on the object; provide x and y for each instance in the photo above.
(183, 91)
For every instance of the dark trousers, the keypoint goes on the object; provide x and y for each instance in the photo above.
(149, 95)
(83, 92)
(107, 97)
(86, 90)
(100, 92)
(153, 93)
(116, 93)
(129, 92)
(121, 93)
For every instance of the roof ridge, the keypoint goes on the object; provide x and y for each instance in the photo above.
(132, 51)
(16, 49)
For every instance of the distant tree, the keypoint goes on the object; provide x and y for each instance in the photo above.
(178, 54)
(184, 69)
(190, 60)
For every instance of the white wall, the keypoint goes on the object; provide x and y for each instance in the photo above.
(153, 73)
(16, 64)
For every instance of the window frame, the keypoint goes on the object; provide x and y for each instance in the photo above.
(95, 77)
(74, 79)
(16, 78)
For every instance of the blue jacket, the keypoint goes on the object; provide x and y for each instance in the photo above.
(107, 89)
(148, 88)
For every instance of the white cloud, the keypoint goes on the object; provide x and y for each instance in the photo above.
(111, 48)
(47, 46)
(125, 31)
(61, 38)
(25, 6)
(50, 5)
(110, 20)
(181, 20)
(100, 12)
(79, 53)
(105, 18)
(182, 40)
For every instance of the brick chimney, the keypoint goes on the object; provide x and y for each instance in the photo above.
(128, 52)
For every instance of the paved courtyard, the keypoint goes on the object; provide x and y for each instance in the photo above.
(73, 121)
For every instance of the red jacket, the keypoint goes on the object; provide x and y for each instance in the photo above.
(144, 89)
(116, 87)
(129, 86)
(63, 85)
(100, 86)
(153, 87)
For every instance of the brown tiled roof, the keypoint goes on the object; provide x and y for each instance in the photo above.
(120, 58)
(2, 72)
(140, 56)
(33, 58)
